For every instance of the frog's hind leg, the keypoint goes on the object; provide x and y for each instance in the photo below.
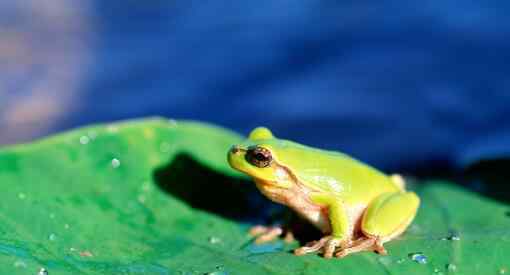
(384, 219)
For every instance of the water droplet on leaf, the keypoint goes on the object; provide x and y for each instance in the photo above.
(42, 271)
(20, 264)
(451, 267)
(418, 257)
(115, 163)
(214, 240)
(451, 237)
(217, 273)
(52, 237)
(84, 140)
(141, 199)
(22, 196)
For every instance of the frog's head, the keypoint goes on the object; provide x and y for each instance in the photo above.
(259, 157)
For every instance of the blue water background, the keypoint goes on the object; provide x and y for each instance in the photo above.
(401, 85)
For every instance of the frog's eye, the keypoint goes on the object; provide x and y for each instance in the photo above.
(259, 156)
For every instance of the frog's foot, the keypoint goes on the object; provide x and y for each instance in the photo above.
(266, 234)
(362, 244)
(327, 244)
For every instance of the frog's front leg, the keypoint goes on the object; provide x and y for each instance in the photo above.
(340, 228)
(384, 219)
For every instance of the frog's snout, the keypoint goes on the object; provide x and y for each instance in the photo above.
(235, 156)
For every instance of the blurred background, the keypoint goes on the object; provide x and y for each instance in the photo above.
(421, 87)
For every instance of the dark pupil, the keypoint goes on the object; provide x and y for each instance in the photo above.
(260, 157)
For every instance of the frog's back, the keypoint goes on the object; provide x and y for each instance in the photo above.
(335, 173)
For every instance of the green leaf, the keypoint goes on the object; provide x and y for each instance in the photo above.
(157, 197)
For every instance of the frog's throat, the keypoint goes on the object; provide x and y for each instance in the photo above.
(297, 197)
(269, 187)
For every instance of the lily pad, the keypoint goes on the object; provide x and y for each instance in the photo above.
(157, 197)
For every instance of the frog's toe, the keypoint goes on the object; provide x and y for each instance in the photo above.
(265, 234)
(258, 230)
(331, 246)
(362, 244)
(312, 246)
(289, 237)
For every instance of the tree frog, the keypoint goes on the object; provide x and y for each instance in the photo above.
(355, 206)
